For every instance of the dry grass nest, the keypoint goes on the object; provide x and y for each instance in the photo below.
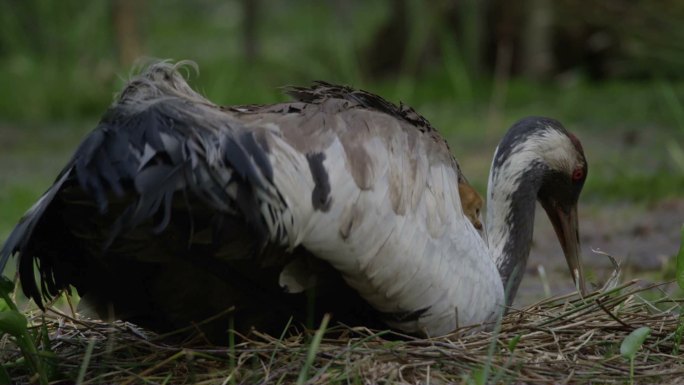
(564, 339)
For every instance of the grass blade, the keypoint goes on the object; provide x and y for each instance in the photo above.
(5, 378)
(680, 262)
(313, 349)
(86, 361)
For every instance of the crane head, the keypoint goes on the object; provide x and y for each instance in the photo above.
(566, 171)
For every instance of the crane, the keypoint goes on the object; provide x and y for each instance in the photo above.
(174, 209)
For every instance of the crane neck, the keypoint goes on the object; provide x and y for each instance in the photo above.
(514, 181)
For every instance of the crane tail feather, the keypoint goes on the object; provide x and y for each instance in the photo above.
(20, 242)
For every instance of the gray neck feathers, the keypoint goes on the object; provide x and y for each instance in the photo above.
(512, 194)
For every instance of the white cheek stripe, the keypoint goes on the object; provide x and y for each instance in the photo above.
(550, 147)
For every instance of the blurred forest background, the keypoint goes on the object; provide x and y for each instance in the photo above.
(611, 71)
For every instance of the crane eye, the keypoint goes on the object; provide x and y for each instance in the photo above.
(578, 174)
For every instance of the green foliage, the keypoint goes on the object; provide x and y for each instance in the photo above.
(313, 349)
(5, 378)
(630, 183)
(631, 345)
(647, 39)
(54, 76)
(44, 44)
(478, 377)
(513, 343)
(680, 262)
(86, 361)
(676, 107)
(6, 286)
(14, 323)
(679, 332)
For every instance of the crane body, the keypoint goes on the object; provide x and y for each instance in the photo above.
(174, 209)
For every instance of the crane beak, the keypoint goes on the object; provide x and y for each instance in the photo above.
(564, 221)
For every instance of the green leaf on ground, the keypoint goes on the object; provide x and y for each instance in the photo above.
(12, 322)
(632, 343)
(513, 343)
(680, 262)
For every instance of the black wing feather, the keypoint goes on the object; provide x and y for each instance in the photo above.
(111, 170)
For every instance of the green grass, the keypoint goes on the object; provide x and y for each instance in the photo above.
(15, 324)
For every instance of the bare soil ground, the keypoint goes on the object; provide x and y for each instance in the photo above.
(644, 238)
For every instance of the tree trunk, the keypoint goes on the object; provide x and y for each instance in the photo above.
(250, 41)
(537, 43)
(126, 30)
(472, 21)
